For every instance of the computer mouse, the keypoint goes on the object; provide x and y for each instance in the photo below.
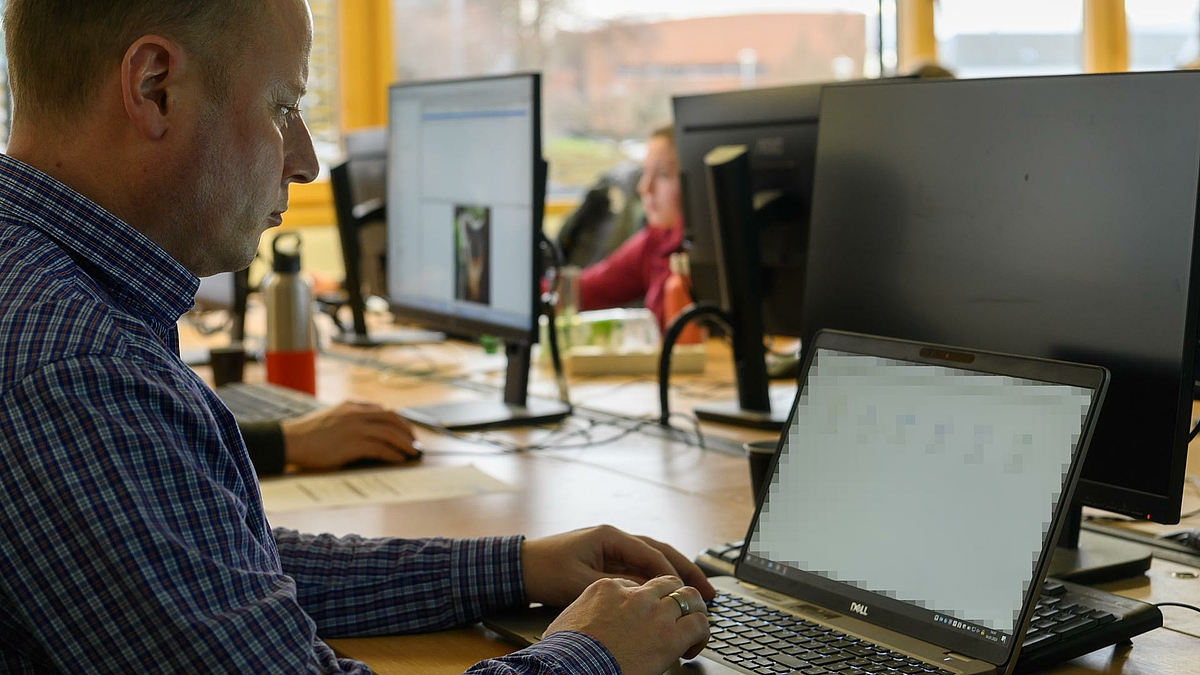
(375, 463)
(1188, 538)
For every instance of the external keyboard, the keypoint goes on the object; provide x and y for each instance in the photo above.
(1070, 620)
(252, 402)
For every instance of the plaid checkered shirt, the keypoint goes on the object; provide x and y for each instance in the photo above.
(132, 532)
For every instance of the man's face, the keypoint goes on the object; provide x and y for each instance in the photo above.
(247, 149)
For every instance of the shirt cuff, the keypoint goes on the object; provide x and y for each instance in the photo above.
(264, 442)
(575, 652)
(486, 576)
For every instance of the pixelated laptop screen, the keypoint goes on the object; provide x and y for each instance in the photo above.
(930, 485)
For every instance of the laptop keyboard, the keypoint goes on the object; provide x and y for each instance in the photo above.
(1069, 621)
(767, 641)
(252, 402)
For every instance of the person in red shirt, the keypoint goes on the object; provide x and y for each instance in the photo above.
(638, 269)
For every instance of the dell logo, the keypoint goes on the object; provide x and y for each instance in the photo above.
(858, 608)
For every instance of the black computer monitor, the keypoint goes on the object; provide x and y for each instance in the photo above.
(778, 128)
(359, 187)
(466, 188)
(1053, 217)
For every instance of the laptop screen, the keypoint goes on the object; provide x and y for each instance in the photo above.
(928, 485)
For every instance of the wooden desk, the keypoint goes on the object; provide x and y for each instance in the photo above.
(645, 484)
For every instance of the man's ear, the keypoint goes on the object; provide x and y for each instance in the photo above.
(150, 83)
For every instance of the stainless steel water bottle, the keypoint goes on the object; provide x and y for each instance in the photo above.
(291, 353)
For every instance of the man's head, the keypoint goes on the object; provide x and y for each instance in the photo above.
(179, 116)
(60, 51)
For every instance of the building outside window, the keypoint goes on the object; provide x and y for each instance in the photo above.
(610, 66)
(1011, 38)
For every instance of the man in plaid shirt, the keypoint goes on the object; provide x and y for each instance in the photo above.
(153, 142)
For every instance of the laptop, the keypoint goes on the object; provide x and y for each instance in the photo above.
(910, 516)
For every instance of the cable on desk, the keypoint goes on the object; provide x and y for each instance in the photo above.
(695, 427)
(198, 320)
(1177, 604)
(558, 439)
(549, 302)
(692, 313)
(1195, 430)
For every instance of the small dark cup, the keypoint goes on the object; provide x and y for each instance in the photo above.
(760, 454)
(227, 364)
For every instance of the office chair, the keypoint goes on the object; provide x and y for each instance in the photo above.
(609, 214)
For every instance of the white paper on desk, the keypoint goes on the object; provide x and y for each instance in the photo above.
(382, 486)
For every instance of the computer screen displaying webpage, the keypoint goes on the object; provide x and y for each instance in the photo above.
(460, 192)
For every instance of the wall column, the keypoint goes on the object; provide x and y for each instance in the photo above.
(1105, 37)
(915, 41)
(365, 48)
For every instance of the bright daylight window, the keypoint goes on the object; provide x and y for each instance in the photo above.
(320, 104)
(1014, 37)
(1162, 33)
(610, 66)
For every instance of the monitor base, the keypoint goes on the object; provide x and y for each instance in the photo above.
(396, 336)
(1098, 559)
(475, 415)
(731, 412)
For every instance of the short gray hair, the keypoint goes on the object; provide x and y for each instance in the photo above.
(60, 50)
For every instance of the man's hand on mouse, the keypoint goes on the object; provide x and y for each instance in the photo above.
(331, 437)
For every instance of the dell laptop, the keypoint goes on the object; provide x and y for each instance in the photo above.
(910, 516)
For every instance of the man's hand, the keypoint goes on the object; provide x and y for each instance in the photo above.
(331, 437)
(643, 627)
(557, 569)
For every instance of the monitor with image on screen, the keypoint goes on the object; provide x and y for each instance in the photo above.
(465, 194)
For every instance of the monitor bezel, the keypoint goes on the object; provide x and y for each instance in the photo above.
(470, 326)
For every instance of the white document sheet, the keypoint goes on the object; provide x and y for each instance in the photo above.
(380, 486)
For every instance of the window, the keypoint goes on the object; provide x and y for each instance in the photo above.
(1162, 33)
(610, 66)
(321, 102)
(1015, 37)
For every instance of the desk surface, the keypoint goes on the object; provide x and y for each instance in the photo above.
(646, 483)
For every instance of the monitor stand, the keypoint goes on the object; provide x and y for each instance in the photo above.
(736, 218)
(753, 407)
(515, 410)
(1092, 558)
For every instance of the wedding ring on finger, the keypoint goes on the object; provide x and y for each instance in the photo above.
(685, 608)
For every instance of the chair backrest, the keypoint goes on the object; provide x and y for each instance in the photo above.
(601, 223)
